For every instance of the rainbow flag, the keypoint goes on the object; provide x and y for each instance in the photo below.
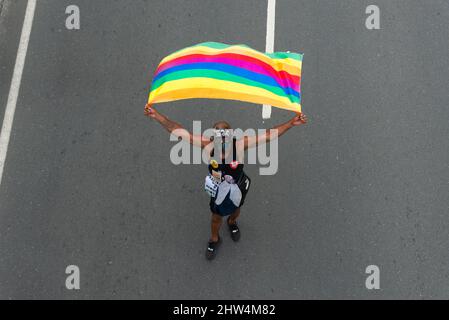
(236, 72)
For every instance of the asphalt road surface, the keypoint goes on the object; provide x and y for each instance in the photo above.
(88, 179)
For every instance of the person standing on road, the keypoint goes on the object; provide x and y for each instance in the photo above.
(228, 168)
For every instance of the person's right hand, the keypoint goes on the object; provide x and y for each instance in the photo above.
(299, 119)
(150, 111)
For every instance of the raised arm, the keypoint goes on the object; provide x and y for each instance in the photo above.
(175, 128)
(253, 141)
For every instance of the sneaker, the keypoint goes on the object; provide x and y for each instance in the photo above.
(235, 231)
(212, 248)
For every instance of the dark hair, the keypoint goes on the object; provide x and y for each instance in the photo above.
(222, 125)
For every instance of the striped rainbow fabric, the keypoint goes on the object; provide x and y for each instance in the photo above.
(236, 72)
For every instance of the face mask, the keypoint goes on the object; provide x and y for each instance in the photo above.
(226, 133)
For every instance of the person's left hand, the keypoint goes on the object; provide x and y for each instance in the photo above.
(300, 119)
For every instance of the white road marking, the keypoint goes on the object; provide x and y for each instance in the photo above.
(15, 83)
(271, 21)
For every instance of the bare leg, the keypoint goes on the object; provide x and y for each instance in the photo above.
(215, 227)
(233, 217)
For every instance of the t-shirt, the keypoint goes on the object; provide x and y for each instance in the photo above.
(230, 167)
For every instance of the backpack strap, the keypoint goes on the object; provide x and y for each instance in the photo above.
(234, 148)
